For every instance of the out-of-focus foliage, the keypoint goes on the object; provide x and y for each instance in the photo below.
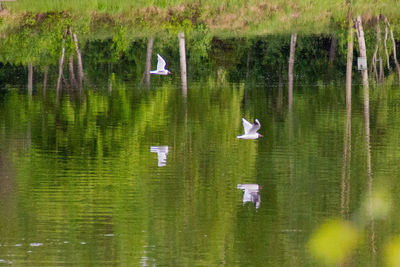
(333, 241)
(392, 252)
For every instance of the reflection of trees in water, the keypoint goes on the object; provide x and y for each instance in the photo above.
(204, 55)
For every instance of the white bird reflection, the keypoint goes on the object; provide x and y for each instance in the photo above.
(251, 193)
(162, 152)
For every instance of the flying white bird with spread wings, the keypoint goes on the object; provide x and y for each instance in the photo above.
(160, 67)
(250, 130)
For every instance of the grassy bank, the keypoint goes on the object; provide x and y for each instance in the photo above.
(221, 17)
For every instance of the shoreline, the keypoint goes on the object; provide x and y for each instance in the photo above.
(259, 19)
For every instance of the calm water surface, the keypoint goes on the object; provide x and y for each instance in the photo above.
(137, 177)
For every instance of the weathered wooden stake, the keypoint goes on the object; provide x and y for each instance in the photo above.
(182, 55)
(30, 78)
(280, 90)
(79, 58)
(362, 47)
(386, 50)
(290, 69)
(46, 70)
(374, 57)
(150, 43)
(60, 64)
(394, 45)
(395, 54)
(332, 50)
(349, 65)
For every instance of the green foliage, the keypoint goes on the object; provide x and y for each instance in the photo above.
(199, 44)
(121, 43)
(39, 40)
(175, 25)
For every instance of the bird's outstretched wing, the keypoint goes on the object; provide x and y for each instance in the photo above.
(246, 125)
(254, 127)
(160, 63)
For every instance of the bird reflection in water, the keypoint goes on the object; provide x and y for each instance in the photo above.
(251, 193)
(162, 152)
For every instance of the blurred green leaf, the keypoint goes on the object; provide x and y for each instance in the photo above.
(333, 241)
(392, 252)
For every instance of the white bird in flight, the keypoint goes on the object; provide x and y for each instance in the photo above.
(250, 130)
(160, 67)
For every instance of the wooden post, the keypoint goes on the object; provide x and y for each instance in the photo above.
(280, 90)
(395, 54)
(46, 70)
(332, 50)
(30, 78)
(79, 58)
(290, 70)
(150, 43)
(394, 45)
(60, 64)
(349, 65)
(374, 57)
(182, 56)
(386, 51)
(363, 49)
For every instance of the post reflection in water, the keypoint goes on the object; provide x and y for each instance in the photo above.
(162, 152)
(345, 183)
(364, 73)
(251, 193)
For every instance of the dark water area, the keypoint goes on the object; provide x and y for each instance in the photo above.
(128, 173)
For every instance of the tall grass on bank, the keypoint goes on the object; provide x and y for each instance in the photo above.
(237, 16)
(313, 7)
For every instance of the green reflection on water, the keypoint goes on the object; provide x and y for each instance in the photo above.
(79, 184)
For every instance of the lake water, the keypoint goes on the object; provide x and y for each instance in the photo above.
(117, 174)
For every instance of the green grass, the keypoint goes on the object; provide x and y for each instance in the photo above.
(232, 16)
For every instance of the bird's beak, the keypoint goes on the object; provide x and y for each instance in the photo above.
(261, 135)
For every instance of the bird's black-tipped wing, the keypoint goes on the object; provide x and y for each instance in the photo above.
(255, 127)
